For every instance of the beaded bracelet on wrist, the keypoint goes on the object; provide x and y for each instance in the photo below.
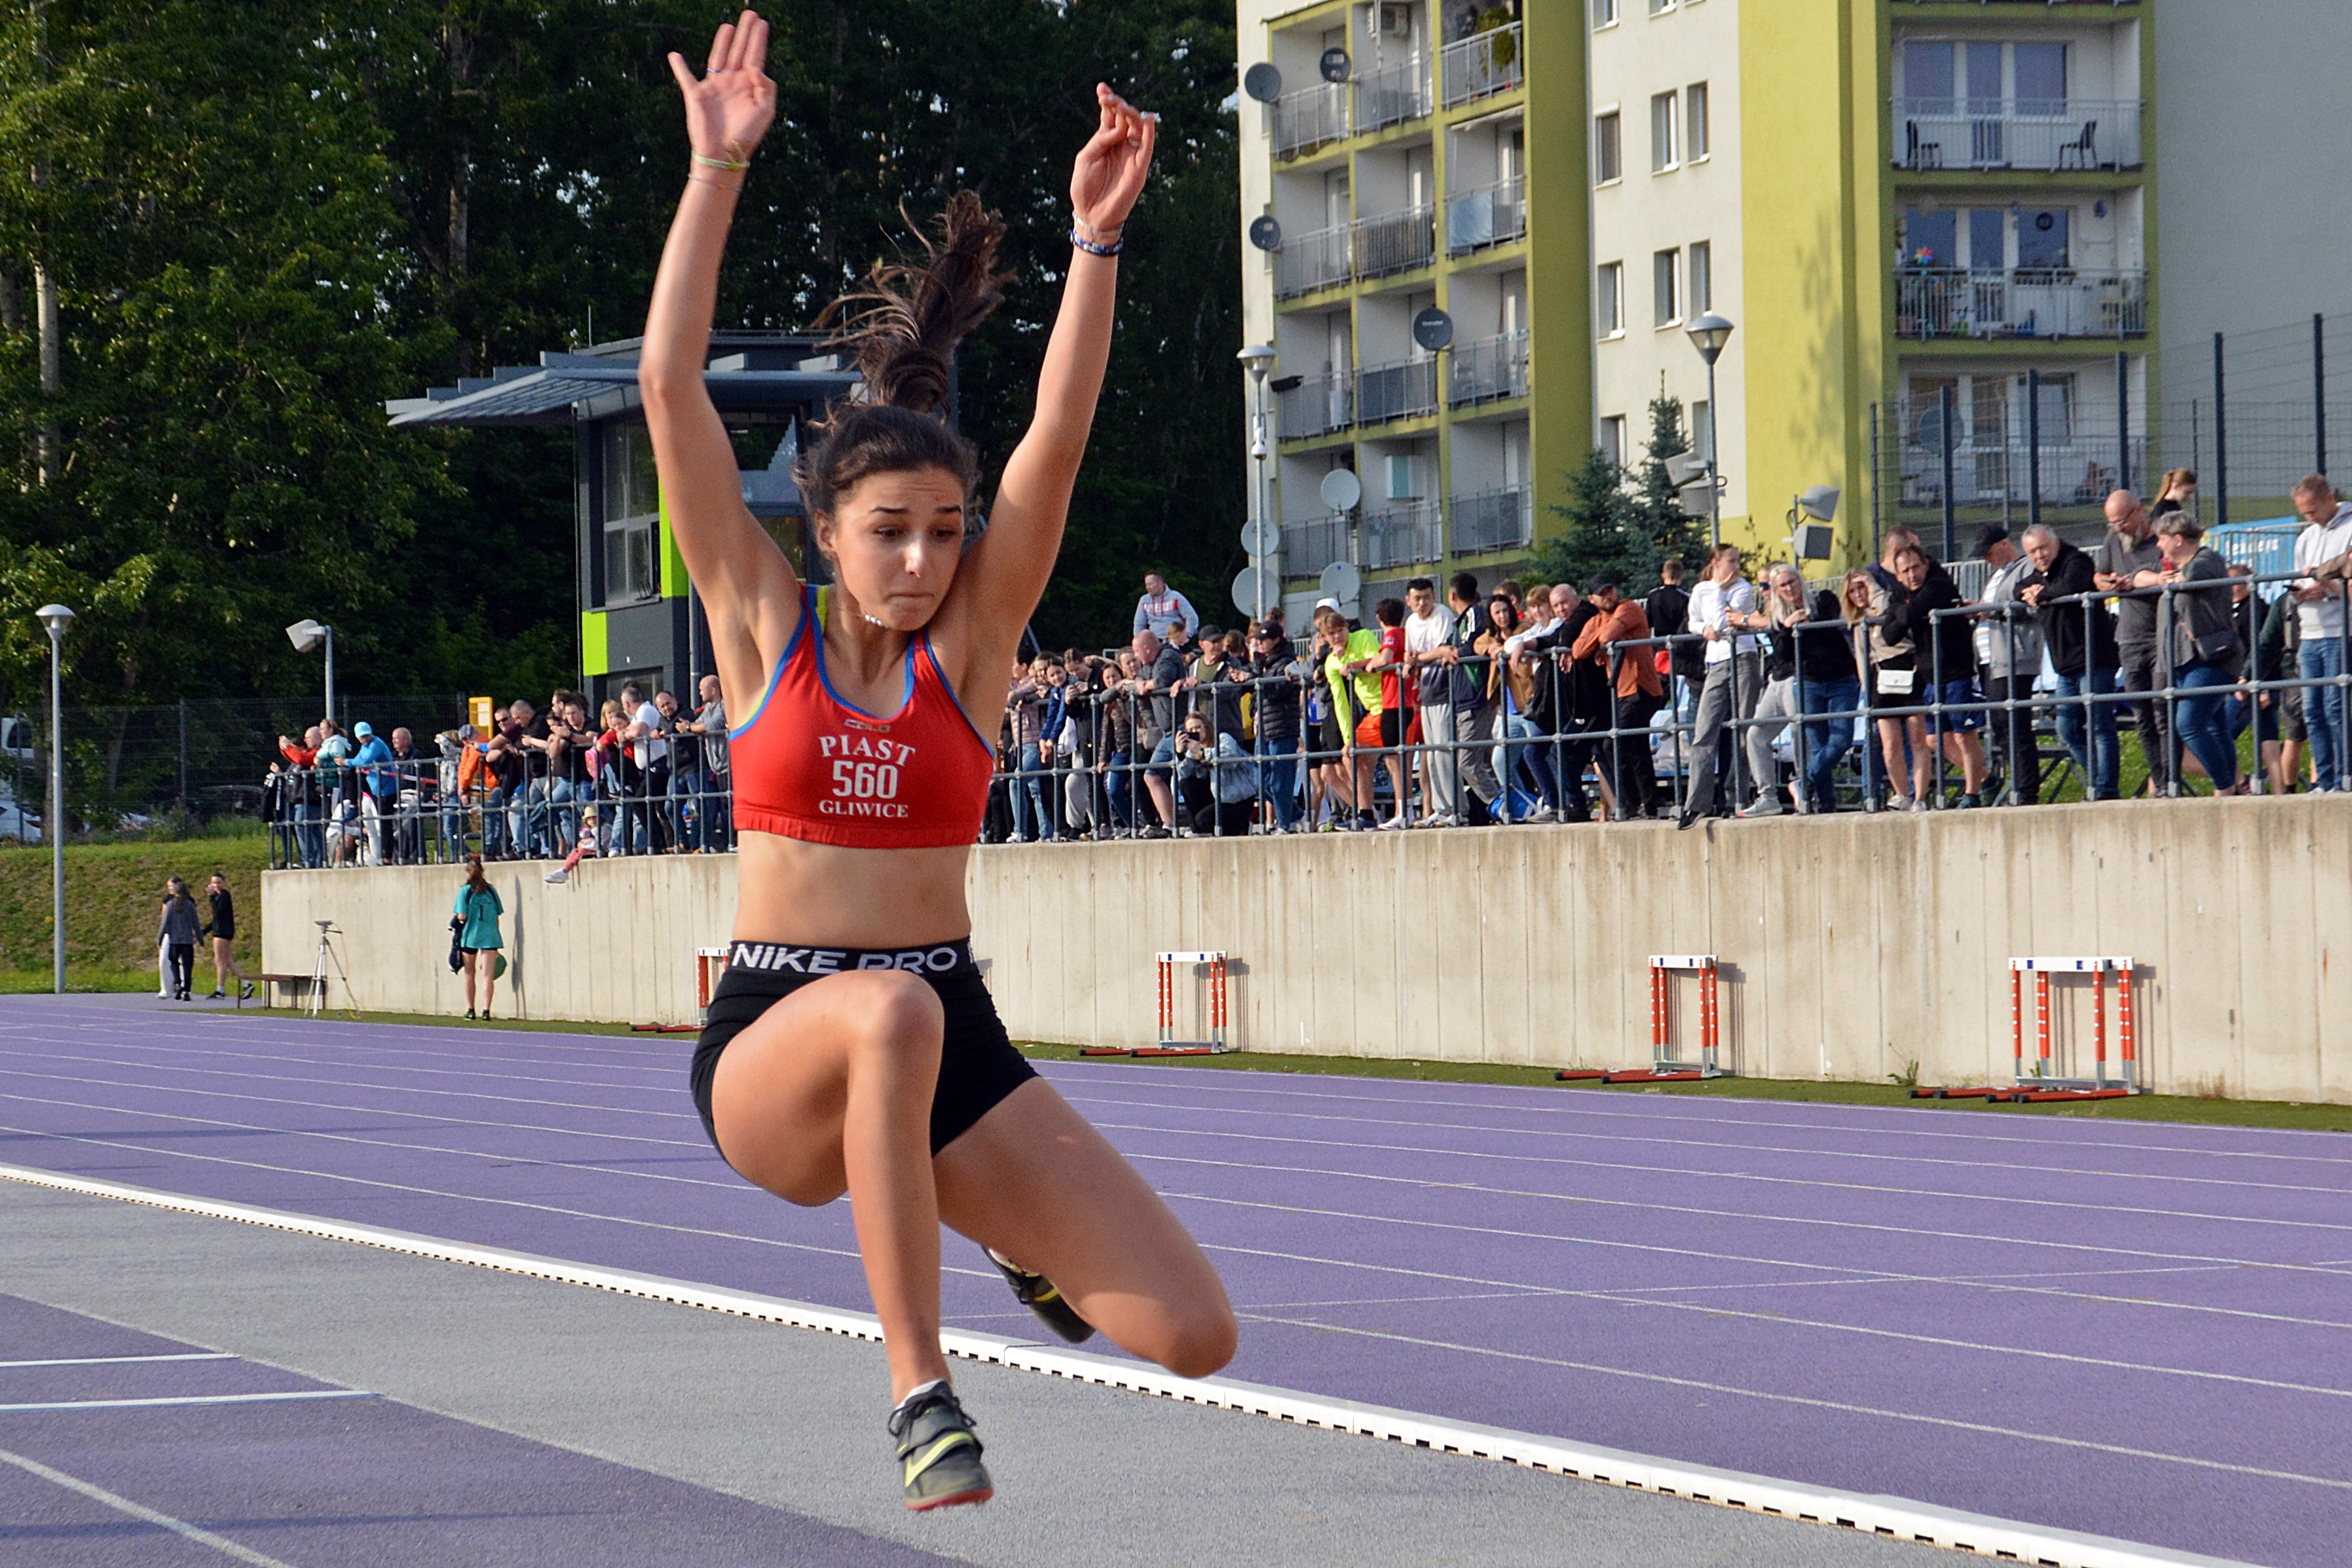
(1091, 249)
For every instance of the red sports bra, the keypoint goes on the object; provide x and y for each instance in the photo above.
(808, 765)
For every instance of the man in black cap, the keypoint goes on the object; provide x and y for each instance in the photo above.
(2008, 661)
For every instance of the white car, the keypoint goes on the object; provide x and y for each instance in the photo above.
(18, 826)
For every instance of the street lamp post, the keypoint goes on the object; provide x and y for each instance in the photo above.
(1258, 359)
(56, 619)
(1709, 334)
(306, 634)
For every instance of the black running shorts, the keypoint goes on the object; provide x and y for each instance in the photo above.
(978, 1065)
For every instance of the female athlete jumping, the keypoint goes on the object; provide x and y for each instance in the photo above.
(851, 1042)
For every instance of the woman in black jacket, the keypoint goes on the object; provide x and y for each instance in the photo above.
(222, 929)
(1947, 663)
(2200, 645)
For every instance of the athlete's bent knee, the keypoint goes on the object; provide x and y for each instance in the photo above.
(1204, 1340)
(893, 1016)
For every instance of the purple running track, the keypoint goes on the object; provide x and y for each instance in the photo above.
(334, 1481)
(2137, 1330)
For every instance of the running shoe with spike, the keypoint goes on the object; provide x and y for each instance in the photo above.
(938, 1454)
(1038, 1294)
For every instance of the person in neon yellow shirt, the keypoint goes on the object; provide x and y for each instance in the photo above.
(1353, 671)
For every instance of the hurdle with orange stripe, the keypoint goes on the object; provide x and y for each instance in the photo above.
(2043, 1081)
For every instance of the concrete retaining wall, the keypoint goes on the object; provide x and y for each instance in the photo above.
(1851, 946)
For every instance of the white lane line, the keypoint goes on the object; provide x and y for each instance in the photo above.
(675, 1065)
(1743, 1216)
(493, 1156)
(1843, 1406)
(1986, 1282)
(118, 1360)
(446, 1121)
(849, 1252)
(1668, 1110)
(141, 1511)
(292, 1396)
(1684, 1172)
(1870, 1514)
(1716, 1146)
(246, 1075)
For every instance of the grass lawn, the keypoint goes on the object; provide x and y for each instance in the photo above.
(113, 894)
(2309, 1118)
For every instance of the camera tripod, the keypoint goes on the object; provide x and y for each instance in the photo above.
(320, 961)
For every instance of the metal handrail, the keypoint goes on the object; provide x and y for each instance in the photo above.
(1480, 66)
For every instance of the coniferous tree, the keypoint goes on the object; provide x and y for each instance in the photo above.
(1624, 524)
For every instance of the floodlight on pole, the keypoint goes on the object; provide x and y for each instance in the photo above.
(1709, 334)
(55, 619)
(306, 634)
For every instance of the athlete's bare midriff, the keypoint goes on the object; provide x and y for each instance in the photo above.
(823, 895)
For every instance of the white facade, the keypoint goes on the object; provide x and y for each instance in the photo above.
(2254, 140)
(1671, 195)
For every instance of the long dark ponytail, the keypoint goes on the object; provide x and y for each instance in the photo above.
(902, 332)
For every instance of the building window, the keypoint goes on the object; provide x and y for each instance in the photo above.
(1610, 310)
(1667, 286)
(1604, 13)
(1607, 148)
(1694, 122)
(1662, 133)
(1659, 8)
(1612, 439)
(1702, 277)
(632, 515)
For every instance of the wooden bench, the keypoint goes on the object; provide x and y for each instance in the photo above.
(294, 982)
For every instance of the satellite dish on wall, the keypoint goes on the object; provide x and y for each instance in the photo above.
(1334, 63)
(1342, 581)
(1261, 536)
(1265, 233)
(1341, 489)
(1433, 328)
(1263, 82)
(1257, 590)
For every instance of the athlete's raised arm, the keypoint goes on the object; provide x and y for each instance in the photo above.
(748, 588)
(1005, 574)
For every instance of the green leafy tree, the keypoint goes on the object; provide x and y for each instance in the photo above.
(1625, 524)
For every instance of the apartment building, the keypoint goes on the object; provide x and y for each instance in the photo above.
(1415, 161)
(1933, 223)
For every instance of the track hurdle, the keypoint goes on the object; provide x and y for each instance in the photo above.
(2044, 1083)
(1169, 1045)
(705, 982)
(1665, 1065)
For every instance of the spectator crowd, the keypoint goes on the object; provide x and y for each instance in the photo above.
(1888, 688)
(645, 775)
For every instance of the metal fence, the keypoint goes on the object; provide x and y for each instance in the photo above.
(124, 765)
(2020, 133)
(2044, 438)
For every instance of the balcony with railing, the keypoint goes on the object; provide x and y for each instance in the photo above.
(1310, 117)
(1308, 547)
(2057, 135)
(1403, 534)
(1392, 95)
(1319, 259)
(1480, 66)
(1486, 369)
(1487, 214)
(1395, 242)
(1317, 405)
(1494, 520)
(1368, 247)
(1932, 302)
(1402, 390)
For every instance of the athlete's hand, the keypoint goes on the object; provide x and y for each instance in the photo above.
(1111, 166)
(733, 104)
